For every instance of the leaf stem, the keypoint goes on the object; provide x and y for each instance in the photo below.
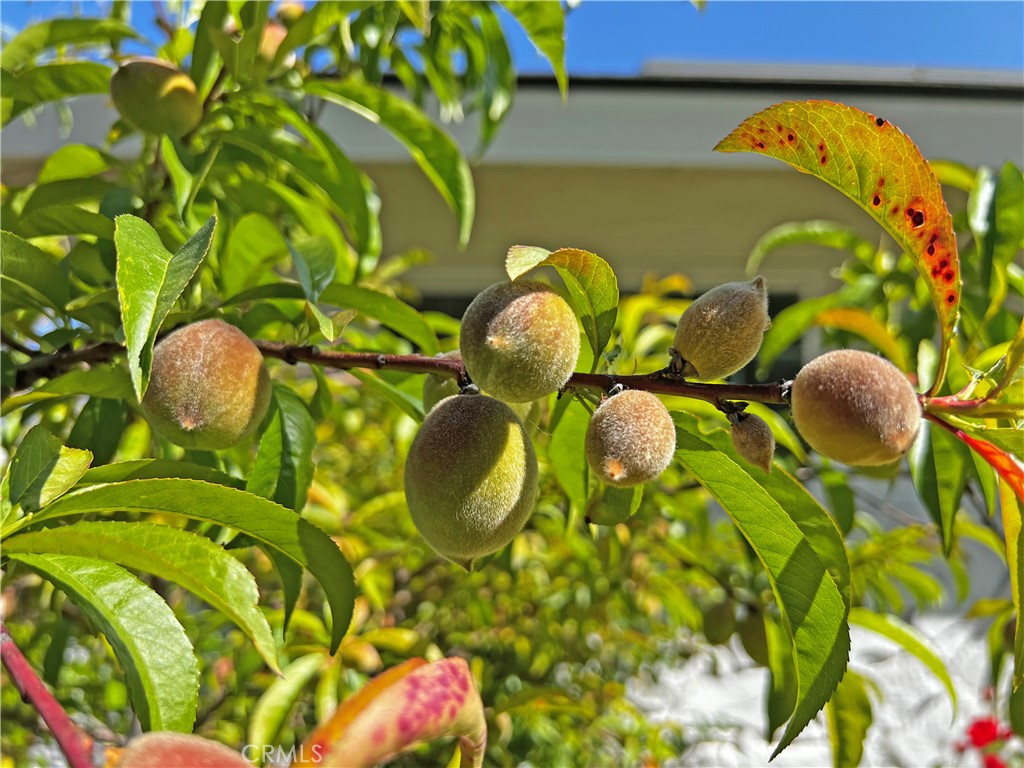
(75, 745)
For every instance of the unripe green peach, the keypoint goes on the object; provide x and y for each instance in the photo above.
(470, 477)
(520, 341)
(721, 331)
(719, 622)
(630, 439)
(209, 388)
(753, 440)
(855, 407)
(156, 97)
(176, 750)
(754, 638)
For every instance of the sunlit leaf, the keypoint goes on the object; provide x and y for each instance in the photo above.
(849, 716)
(266, 522)
(410, 704)
(35, 39)
(591, 284)
(1013, 510)
(864, 324)
(51, 82)
(823, 233)
(43, 469)
(545, 25)
(149, 280)
(432, 149)
(812, 607)
(283, 469)
(877, 166)
(159, 665)
(180, 557)
(567, 457)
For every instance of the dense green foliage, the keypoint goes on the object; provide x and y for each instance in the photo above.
(294, 550)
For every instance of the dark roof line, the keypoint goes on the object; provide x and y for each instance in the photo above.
(910, 81)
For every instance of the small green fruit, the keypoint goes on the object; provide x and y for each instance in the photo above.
(720, 332)
(753, 440)
(156, 97)
(754, 638)
(719, 622)
(520, 341)
(630, 439)
(176, 750)
(209, 388)
(470, 477)
(855, 407)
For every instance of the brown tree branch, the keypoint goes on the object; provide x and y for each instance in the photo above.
(661, 382)
(75, 745)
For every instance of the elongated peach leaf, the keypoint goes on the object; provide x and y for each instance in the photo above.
(1015, 560)
(876, 165)
(410, 704)
(1005, 465)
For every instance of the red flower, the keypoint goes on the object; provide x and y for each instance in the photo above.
(983, 731)
(992, 761)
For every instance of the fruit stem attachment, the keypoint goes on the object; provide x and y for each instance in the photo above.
(75, 745)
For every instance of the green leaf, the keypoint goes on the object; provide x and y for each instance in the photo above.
(181, 179)
(204, 54)
(266, 522)
(51, 82)
(180, 557)
(545, 25)
(283, 469)
(592, 287)
(1012, 508)
(391, 312)
(849, 716)
(567, 457)
(149, 280)
(610, 505)
(939, 465)
(254, 243)
(780, 693)
(64, 220)
(148, 469)
(912, 641)
(812, 607)
(159, 665)
(826, 234)
(817, 526)
(314, 22)
(99, 427)
(332, 325)
(314, 262)
(877, 166)
(277, 701)
(73, 161)
(35, 39)
(412, 406)
(862, 323)
(43, 469)
(27, 265)
(432, 149)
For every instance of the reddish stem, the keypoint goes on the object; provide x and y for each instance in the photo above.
(76, 746)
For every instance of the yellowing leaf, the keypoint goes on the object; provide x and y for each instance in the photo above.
(876, 165)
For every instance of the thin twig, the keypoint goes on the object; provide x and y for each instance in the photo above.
(76, 746)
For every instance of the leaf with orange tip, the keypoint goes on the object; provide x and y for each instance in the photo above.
(877, 166)
(1005, 465)
(407, 705)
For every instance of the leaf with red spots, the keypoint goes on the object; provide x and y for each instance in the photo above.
(877, 166)
(407, 705)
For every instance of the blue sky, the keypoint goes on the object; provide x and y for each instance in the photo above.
(615, 37)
